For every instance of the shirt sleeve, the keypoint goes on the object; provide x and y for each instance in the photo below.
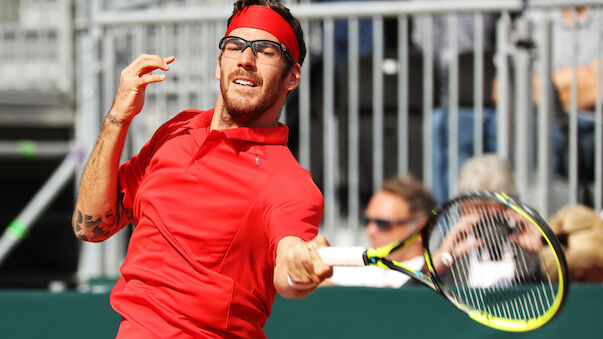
(294, 206)
(132, 172)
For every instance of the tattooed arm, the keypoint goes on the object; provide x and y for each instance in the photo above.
(99, 211)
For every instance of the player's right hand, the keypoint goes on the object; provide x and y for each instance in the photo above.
(133, 80)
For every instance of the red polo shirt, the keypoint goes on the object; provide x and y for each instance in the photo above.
(209, 209)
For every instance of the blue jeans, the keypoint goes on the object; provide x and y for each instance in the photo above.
(440, 143)
(560, 158)
(586, 150)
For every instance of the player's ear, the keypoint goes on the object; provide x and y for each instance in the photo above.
(218, 68)
(293, 77)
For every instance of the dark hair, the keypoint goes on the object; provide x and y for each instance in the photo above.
(284, 12)
(421, 202)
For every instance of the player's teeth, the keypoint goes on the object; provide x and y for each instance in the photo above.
(244, 83)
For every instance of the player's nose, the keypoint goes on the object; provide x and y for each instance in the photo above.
(247, 58)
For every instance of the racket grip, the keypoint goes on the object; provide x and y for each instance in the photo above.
(342, 256)
(335, 256)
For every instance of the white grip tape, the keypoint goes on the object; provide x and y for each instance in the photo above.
(335, 256)
(342, 256)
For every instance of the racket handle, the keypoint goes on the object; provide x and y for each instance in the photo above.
(342, 256)
(335, 256)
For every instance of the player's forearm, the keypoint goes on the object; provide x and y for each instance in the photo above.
(98, 213)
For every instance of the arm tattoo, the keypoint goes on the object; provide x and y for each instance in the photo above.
(113, 120)
(98, 228)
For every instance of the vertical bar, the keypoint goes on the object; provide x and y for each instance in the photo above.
(573, 115)
(598, 191)
(283, 115)
(502, 74)
(545, 119)
(160, 89)
(20, 55)
(377, 103)
(136, 132)
(304, 105)
(329, 128)
(113, 248)
(2, 41)
(353, 129)
(453, 103)
(478, 83)
(108, 64)
(523, 110)
(90, 259)
(150, 111)
(428, 102)
(403, 154)
(184, 82)
(206, 52)
(66, 48)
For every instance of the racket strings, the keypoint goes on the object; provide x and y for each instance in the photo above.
(496, 275)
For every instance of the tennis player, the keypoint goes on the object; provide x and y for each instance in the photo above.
(223, 213)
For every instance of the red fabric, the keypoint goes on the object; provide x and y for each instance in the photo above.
(268, 20)
(209, 209)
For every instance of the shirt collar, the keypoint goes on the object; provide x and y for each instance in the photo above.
(274, 135)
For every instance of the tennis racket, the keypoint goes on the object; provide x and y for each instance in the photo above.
(486, 254)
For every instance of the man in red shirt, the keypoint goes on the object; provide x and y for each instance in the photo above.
(224, 216)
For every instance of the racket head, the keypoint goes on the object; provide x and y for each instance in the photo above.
(497, 260)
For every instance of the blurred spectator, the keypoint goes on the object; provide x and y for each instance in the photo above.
(493, 173)
(443, 56)
(487, 172)
(586, 73)
(580, 231)
(397, 211)
(365, 29)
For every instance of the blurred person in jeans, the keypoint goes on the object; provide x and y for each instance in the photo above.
(443, 56)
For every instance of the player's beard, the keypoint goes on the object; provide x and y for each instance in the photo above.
(242, 110)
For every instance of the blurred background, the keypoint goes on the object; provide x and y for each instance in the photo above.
(389, 88)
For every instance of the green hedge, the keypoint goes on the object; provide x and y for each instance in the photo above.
(331, 312)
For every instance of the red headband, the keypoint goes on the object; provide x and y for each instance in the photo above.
(266, 19)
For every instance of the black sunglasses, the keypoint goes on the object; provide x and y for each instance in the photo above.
(385, 225)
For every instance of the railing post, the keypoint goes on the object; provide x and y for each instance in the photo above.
(523, 106)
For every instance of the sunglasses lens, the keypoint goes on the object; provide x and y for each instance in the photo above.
(383, 225)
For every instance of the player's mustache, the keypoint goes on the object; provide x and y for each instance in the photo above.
(241, 73)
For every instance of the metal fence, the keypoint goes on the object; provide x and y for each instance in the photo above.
(328, 110)
(362, 112)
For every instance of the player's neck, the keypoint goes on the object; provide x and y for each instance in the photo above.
(222, 119)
